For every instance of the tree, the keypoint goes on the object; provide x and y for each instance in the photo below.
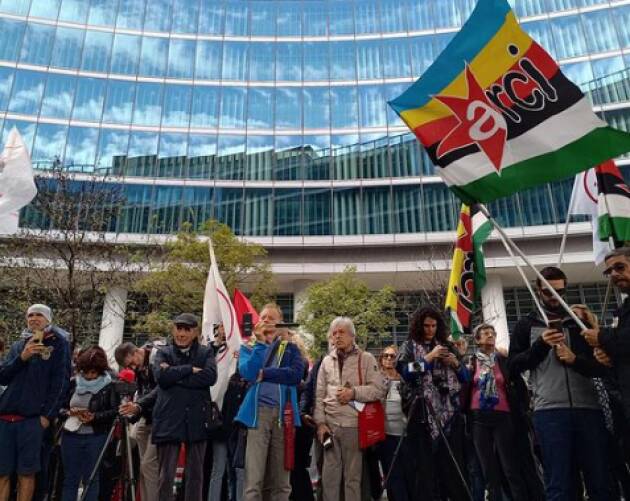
(176, 282)
(346, 295)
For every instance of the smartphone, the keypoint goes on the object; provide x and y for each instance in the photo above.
(556, 325)
(327, 443)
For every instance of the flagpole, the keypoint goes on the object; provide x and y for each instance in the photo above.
(555, 294)
(565, 233)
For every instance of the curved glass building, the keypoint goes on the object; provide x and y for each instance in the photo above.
(271, 115)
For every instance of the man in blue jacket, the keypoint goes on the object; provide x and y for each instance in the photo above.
(274, 366)
(36, 376)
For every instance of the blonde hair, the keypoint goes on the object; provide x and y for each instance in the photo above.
(273, 306)
(380, 357)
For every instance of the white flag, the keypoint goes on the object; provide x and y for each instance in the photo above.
(17, 185)
(584, 202)
(218, 309)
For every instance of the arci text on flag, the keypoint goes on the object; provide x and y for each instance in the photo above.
(497, 115)
(17, 185)
(468, 272)
(217, 310)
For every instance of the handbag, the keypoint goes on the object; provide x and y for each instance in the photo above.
(371, 419)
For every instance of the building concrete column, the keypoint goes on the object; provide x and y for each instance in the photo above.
(113, 322)
(493, 305)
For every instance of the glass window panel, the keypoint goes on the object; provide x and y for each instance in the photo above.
(172, 155)
(390, 92)
(341, 17)
(153, 57)
(49, 143)
(374, 161)
(45, 8)
(176, 105)
(135, 213)
(315, 18)
(125, 52)
(96, 51)
(422, 53)
(211, 17)
(158, 15)
(262, 18)
(38, 42)
(586, 3)
(260, 108)
(439, 207)
(606, 66)
(377, 210)
(74, 11)
(258, 212)
(233, 107)
(407, 209)
(148, 109)
(167, 209)
(287, 212)
(208, 60)
(81, 148)
(58, 96)
(119, 102)
(441, 40)
(289, 18)
(228, 204)
(288, 108)
(317, 212)
(130, 14)
(316, 61)
(393, 15)
(197, 206)
(181, 54)
(369, 59)
(419, 15)
(345, 151)
(367, 16)
(569, 36)
(185, 16)
(342, 61)
(396, 59)
(6, 82)
(67, 48)
(316, 108)
(317, 157)
(11, 39)
(231, 157)
(371, 106)
(289, 158)
(529, 7)
(578, 73)
(143, 144)
(406, 159)
(236, 18)
(204, 107)
(260, 158)
(262, 67)
(344, 107)
(541, 32)
(28, 89)
(558, 5)
(451, 13)
(102, 13)
(19, 7)
(346, 206)
(202, 150)
(599, 31)
(26, 130)
(112, 149)
(289, 61)
(621, 15)
(234, 60)
(89, 98)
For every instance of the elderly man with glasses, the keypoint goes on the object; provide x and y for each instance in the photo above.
(568, 419)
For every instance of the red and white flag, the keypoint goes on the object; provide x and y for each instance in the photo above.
(17, 185)
(218, 309)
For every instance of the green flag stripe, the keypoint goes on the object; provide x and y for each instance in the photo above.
(616, 227)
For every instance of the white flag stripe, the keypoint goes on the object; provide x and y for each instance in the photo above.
(614, 205)
(17, 185)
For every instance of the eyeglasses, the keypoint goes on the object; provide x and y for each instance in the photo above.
(618, 267)
(389, 355)
(546, 292)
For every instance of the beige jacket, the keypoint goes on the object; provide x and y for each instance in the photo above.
(327, 409)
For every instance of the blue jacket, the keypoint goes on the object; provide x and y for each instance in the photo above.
(288, 375)
(36, 387)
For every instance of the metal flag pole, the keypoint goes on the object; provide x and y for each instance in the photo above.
(562, 302)
(567, 222)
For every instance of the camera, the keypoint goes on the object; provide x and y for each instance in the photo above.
(328, 442)
(124, 389)
(415, 367)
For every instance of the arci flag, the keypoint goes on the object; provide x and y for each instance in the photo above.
(497, 116)
(17, 185)
(468, 272)
(218, 309)
(613, 204)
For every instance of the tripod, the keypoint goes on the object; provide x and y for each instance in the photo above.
(421, 405)
(128, 478)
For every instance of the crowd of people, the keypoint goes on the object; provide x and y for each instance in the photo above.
(431, 419)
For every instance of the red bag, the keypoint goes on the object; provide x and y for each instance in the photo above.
(371, 419)
(288, 423)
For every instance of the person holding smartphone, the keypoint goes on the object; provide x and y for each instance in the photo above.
(567, 417)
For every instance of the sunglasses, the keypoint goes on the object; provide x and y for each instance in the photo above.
(389, 355)
(617, 267)
(547, 293)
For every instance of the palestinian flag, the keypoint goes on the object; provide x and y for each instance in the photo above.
(468, 272)
(497, 115)
(613, 204)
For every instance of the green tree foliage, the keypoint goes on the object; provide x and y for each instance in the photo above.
(346, 295)
(177, 282)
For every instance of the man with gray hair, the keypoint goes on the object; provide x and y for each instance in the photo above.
(36, 373)
(347, 378)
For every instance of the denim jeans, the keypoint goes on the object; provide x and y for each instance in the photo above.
(572, 438)
(79, 454)
(219, 464)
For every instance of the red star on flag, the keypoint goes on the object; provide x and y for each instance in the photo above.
(480, 123)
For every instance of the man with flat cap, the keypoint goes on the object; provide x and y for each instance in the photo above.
(184, 371)
(36, 373)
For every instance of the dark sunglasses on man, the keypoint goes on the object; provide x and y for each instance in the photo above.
(547, 293)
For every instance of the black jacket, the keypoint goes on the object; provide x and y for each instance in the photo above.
(183, 398)
(103, 404)
(616, 343)
(307, 396)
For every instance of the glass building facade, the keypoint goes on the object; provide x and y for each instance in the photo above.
(269, 116)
